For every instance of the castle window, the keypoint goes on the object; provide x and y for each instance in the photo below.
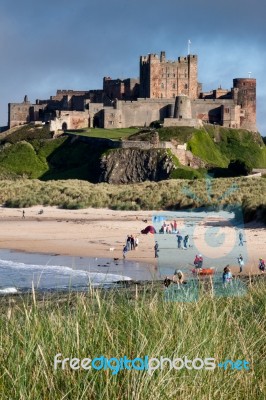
(186, 86)
(161, 95)
(174, 75)
(173, 85)
(226, 110)
(162, 86)
(173, 95)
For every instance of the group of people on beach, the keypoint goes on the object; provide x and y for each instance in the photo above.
(184, 240)
(132, 243)
(169, 227)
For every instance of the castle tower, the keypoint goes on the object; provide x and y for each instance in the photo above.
(160, 78)
(182, 107)
(245, 95)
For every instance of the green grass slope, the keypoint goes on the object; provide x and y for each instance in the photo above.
(203, 146)
(217, 146)
(30, 151)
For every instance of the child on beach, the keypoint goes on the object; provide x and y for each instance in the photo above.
(156, 250)
(261, 265)
(240, 263)
(227, 275)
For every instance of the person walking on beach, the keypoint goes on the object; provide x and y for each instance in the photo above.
(186, 242)
(156, 250)
(136, 242)
(132, 242)
(240, 236)
(179, 240)
(128, 243)
(23, 214)
(240, 263)
(125, 250)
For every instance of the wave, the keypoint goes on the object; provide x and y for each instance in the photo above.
(9, 266)
(8, 290)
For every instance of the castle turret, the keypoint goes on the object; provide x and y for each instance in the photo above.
(182, 107)
(245, 95)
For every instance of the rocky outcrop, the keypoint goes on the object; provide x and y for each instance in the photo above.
(135, 165)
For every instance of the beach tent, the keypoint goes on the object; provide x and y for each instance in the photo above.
(148, 229)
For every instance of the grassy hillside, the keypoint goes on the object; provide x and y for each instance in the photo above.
(217, 145)
(202, 145)
(30, 151)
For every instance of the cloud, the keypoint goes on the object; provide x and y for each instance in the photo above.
(73, 45)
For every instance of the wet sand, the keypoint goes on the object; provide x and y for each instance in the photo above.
(102, 233)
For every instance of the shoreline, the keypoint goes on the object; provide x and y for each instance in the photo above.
(102, 233)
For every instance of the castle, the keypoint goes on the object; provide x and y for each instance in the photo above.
(166, 91)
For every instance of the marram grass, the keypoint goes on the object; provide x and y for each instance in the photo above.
(118, 323)
(173, 194)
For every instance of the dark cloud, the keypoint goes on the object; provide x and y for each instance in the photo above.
(58, 44)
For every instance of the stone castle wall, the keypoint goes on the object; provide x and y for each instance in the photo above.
(69, 120)
(162, 83)
(136, 113)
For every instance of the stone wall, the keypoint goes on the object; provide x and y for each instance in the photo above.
(136, 113)
(209, 110)
(193, 123)
(69, 120)
(18, 113)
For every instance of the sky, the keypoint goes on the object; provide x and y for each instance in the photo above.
(66, 44)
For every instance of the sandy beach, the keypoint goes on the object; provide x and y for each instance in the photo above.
(102, 233)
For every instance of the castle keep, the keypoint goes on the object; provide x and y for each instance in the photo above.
(167, 91)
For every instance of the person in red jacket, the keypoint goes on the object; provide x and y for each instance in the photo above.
(198, 262)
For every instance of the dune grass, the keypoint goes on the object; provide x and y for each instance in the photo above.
(172, 194)
(123, 323)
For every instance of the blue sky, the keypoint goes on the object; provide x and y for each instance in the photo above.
(45, 46)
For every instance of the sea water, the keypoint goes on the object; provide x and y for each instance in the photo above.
(23, 271)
